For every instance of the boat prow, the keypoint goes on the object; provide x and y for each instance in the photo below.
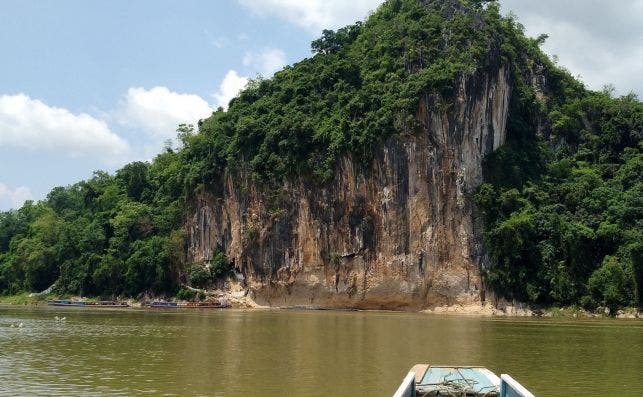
(458, 381)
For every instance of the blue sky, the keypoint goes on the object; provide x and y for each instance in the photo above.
(87, 85)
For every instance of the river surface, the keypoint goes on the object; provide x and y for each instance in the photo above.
(302, 353)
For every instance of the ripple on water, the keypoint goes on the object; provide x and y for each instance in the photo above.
(237, 353)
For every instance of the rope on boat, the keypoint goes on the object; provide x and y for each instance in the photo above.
(455, 388)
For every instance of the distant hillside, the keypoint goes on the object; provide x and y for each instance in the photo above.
(430, 155)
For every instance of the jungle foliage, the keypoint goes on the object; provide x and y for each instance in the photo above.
(561, 203)
(109, 235)
(564, 212)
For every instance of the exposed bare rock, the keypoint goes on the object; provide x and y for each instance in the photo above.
(397, 233)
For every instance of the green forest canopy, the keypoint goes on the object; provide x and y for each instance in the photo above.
(561, 206)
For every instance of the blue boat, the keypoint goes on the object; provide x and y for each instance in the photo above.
(458, 381)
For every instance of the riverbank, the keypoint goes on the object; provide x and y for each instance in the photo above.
(241, 300)
(524, 311)
(237, 301)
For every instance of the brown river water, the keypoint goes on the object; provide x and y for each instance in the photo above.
(302, 353)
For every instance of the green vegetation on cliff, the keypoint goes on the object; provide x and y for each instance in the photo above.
(564, 210)
(561, 203)
(108, 235)
(363, 84)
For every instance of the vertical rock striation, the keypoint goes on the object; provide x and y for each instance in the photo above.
(397, 233)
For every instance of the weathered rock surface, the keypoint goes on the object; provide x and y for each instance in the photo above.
(396, 234)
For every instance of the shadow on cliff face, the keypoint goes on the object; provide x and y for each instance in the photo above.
(396, 233)
(395, 230)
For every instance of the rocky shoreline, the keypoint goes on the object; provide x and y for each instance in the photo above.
(241, 299)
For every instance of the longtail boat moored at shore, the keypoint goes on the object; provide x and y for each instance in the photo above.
(97, 304)
(107, 304)
(161, 304)
(66, 302)
(222, 304)
(456, 381)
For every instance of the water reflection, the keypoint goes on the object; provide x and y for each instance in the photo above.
(277, 353)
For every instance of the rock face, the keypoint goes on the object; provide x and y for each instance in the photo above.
(395, 234)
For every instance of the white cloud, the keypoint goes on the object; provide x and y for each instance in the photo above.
(159, 111)
(230, 86)
(599, 40)
(218, 42)
(266, 62)
(31, 124)
(314, 15)
(13, 198)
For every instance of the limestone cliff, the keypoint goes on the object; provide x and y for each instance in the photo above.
(397, 233)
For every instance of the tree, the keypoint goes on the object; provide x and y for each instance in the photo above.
(148, 268)
(332, 42)
(611, 285)
(108, 276)
(133, 221)
(133, 178)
